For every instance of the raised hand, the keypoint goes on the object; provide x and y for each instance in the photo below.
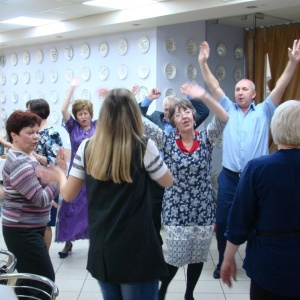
(193, 89)
(204, 52)
(135, 89)
(294, 54)
(102, 93)
(154, 94)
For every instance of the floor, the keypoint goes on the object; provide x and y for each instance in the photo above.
(75, 283)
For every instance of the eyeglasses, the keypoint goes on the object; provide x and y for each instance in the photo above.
(179, 115)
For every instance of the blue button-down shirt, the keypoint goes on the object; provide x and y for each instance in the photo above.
(246, 135)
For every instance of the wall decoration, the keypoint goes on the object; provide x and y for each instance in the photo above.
(170, 71)
(143, 44)
(26, 96)
(103, 72)
(39, 76)
(14, 78)
(86, 94)
(191, 72)
(220, 73)
(221, 49)
(85, 74)
(142, 93)
(85, 50)
(191, 47)
(2, 78)
(14, 97)
(53, 54)
(170, 93)
(39, 56)
(26, 77)
(103, 49)
(26, 57)
(54, 96)
(122, 72)
(2, 97)
(170, 44)
(68, 52)
(2, 61)
(238, 52)
(14, 59)
(53, 76)
(69, 74)
(122, 47)
(238, 74)
(143, 71)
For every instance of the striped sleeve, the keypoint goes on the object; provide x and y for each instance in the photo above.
(77, 169)
(153, 162)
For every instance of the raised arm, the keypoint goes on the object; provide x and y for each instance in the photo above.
(153, 95)
(199, 93)
(209, 78)
(4, 142)
(286, 76)
(65, 106)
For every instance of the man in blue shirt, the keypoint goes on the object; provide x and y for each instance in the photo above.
(246, 134)
(161, 119)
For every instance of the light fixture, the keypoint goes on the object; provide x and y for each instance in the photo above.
(29, 21)
(117, 4)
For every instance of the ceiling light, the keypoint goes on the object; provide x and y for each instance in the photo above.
(29, 21)
(117, 4)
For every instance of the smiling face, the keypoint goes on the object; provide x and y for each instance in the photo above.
(84, 118)
(244, 93)
(184, 119)
(27, 139)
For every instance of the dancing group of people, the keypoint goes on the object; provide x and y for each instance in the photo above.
(129, 172)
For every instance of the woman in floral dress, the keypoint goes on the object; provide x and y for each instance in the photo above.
(72, 223)
(188, 208)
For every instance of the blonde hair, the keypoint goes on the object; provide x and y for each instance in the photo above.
(285, 124)
(79, 105)
(119, 132)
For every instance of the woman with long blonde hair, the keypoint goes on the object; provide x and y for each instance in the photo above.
(125, 255)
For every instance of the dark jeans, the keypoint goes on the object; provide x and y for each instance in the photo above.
(258, 293)
(135, 291)
(227, 187)
(29, 247)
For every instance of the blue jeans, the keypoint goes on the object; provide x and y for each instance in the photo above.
(131, 291)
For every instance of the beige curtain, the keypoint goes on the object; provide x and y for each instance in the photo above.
(275, 42)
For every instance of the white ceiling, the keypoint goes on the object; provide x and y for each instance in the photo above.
(78, 20)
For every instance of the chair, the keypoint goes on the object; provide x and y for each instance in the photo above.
(27, 290)
(8, 261)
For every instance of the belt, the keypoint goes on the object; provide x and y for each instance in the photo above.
(232, 172)
(278, 234)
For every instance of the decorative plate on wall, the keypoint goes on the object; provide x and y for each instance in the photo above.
(54, 96)
(86, 94)
(14, 78)
(3, 114)
(2, 97)
(191, 47)
(238, 74)
(54, 116)
(170, 44)
(40, 94)
(191, 72)
(85, 74)
(122, 47)
(2, 78)
(26, 77)
(143, 44)
(143, 71)
(142, 93)
(221, 50)
(14, 59)
(39, 76)
(238, 52)
(53, 76)
(103, 48)
(69, 75)
(85, 50)
(103, 72)
(53, 54)
(170, 71)
(26, 57)
(39, 56)
(122, 72)
(68, 52)
(2, 61)
(26, 96)
(14, 97)
(220, 73)
(170, 93)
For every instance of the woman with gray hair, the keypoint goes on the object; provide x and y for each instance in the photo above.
(265, 213)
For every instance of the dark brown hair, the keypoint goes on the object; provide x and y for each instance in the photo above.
(184, 104)
(40, 107)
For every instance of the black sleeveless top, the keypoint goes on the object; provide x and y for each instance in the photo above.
(124, 247)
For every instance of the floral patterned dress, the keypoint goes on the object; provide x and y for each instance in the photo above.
(188, 207)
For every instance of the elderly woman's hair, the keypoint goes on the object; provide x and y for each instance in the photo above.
(184, 104)
(20, 119)
(285, 124)
(40, 107)
(79, 105)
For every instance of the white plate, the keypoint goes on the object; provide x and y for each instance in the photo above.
(53, 54)
(54, 116)
(103, 72)
(26, 96)
(220, 73)
(14, 59)
(69, 75)
(2, 97)
(238, 74)
(103, 49)
(2, 78)
(170, 71)
(170, 93)
(143, 71)
(85, 94)
(26, 57)
(14, 78)
(40, 95)
(238, 52)
(54, 96)
(142, 93)
(26, 77)
(191, 72)
(85, 74)
(122, 47)
(221, 50)
(53, 76)
(3, 114)
(122, 72)
(143, 44)
(39, 56)
(3, 131)
(170, 44)
(14, 97)
(68, 52)
(39, 76)
(191, 47)
(2, 61)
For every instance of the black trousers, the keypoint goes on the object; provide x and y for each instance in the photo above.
(258, 293)
(29, 247)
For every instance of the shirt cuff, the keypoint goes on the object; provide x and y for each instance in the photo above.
(146, 102)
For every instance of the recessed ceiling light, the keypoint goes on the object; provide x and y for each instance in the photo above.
(251, 7)
(117, 4)
(29, 21)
